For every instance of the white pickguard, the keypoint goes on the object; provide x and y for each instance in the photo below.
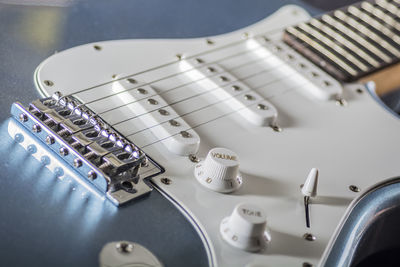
(352, 145)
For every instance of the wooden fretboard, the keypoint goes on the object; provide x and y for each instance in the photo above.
(351, 42)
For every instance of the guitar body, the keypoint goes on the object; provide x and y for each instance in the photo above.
(351, 140)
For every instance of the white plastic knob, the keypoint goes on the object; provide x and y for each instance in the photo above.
(219, 171)
(246, 228)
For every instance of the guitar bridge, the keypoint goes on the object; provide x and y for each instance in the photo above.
(82, 141)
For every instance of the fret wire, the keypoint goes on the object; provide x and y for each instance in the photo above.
(357, 38)
(341, 15)
(376, 24)
(196, 95)
(182, 85)
(381, 15)
(397, 1)
(322, 50)
(389, 7)
(217, 118)
(330, 44)
(213, 104)
(345, 41)
(177, 62)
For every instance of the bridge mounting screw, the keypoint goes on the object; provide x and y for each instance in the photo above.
(77, 163)
(50, 140)
(63, 151)
(92, 175)
(36, 128)
(23, 117)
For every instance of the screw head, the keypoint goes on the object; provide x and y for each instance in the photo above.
(307, 264)
(50, 140)
(194, 158)
(77, 163)
(130, 80)
(354, 188)
(92, 175)
(124, 247)
(262, 107)
(166, 181)
(309, 237)
(236, 88)
(63, 151)
(48, 83)
(185, 134)
(141, 91)
(152, 101)
(23, 117)
(36, 128)
(248, 97)
(174, 123)
(163, 112)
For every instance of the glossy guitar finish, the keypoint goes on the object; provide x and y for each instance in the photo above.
(351, 144)
(348, 150)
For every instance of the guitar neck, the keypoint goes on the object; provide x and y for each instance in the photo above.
(357, 42)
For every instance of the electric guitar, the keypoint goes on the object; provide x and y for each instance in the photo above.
(266, 146)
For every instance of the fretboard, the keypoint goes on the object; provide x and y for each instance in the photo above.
(351, 42)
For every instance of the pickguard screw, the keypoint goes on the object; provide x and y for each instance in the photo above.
(36, 128)
(23, 117)
(97, 47)
(124, 247)
(179, 56)
(359, 90)
(166, 181)
(50, 140)
(92, 175)
(309, 237)
(307, 264)
(194, 158)
(341, 102)
(354, 188)
(276, 128)
(48, 82)
(210, 42)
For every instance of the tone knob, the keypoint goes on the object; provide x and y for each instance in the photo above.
(246, 228)
(219, 171)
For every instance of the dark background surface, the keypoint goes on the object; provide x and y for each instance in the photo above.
(42, 222)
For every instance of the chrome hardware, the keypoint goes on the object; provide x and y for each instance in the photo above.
(85, 142)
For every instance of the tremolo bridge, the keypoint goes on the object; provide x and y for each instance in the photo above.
(104, 159)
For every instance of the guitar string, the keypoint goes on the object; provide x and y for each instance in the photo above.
(210, 105)
(209, 51)
(217, 118)
(164, 78)
(195, 95)
(202, 93)
(181, 85)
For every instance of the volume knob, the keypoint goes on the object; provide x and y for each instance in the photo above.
(219, 171)
(246, 228)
